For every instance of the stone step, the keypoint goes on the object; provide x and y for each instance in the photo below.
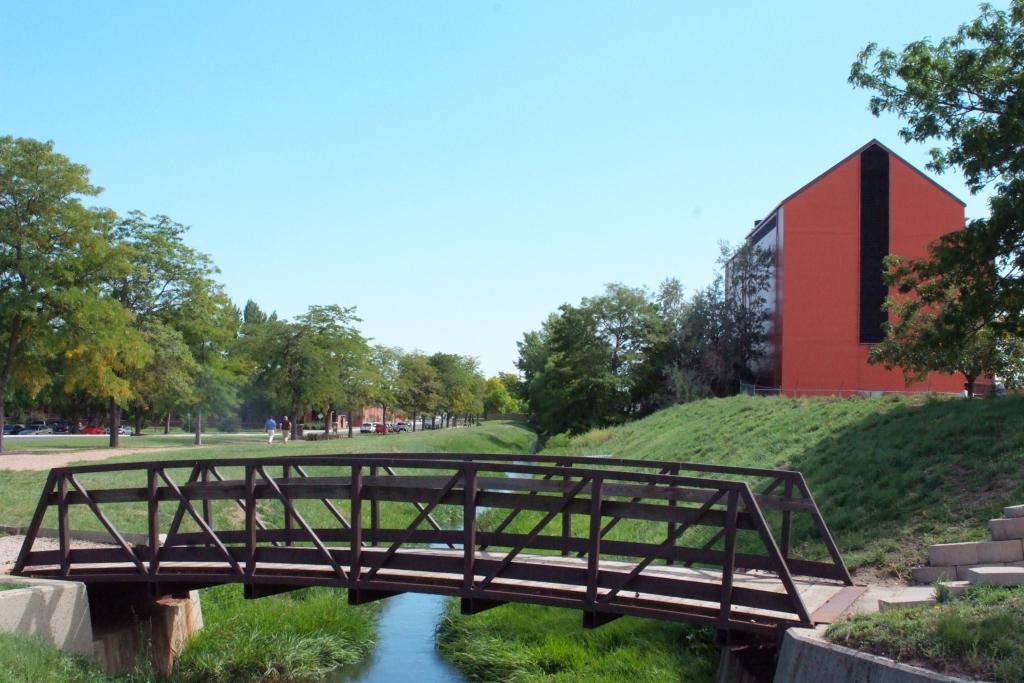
(955, 588)
(981, 552)
(1013, 511)
(929, 575)
(996, 576)
(1005, 529)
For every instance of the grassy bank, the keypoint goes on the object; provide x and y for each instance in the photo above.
(26, 660)
(980, 634)
(890, 475)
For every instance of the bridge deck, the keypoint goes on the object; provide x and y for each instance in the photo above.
(825, 599)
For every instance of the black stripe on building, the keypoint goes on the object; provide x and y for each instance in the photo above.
(874, 242)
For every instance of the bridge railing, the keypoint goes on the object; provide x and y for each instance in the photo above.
(576, 532)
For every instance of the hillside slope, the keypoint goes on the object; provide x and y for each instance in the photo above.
(890, 474)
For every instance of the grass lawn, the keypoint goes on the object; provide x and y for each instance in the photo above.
(980, 634)
(21, 489)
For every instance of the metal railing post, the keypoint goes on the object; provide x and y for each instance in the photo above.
(729, 563)
(566, 520)
(374, 510)
(286, 471)
(63, 531)
(250, 521)
(594, 552)
(356, 523)
(153, 521)
(469, 525)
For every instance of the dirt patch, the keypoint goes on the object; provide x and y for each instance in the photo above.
(35, 462)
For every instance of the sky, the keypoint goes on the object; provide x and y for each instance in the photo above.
(455, 170)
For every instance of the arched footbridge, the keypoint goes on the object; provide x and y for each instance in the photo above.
(683, 542)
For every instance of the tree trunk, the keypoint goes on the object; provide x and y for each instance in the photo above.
(199, 428)
(414, 420)
(138, 423)
(167, 423)
(3, 418)
(349, 414)
(970, 385)
(383, 413)
(115, 423)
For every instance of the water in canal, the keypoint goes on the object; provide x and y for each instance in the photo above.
(405, 647)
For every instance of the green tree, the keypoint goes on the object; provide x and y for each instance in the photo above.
(167, 284)
(964, 93)
(309, 362)
(497, 399)
(419, 385)
(55, 256)
(385, 372)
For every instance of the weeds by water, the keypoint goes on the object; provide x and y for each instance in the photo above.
(528, 644)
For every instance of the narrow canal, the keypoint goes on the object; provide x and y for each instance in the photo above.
(405, 646)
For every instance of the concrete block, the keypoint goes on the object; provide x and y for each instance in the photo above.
(929, 575)
(1000, 551)
(945, 554)
(55, 611)
(1014, 511)
(1005, 529)
(955, 588)
(806, 656)
(886, 605)
(961, 572)
(996, 576)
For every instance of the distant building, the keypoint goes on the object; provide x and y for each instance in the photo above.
(829, 239)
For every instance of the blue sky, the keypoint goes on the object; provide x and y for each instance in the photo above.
(456, 170)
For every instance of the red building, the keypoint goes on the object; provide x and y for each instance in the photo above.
(829, 239)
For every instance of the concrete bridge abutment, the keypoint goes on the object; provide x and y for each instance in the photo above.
(130, 624)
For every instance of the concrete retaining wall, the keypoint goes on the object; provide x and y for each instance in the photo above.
(806, 658)
(56, 611)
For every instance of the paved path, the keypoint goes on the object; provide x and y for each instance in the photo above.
(36, 462)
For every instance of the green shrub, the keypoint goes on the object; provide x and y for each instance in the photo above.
(229, 424)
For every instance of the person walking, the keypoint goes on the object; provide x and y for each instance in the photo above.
(270, 426)
(286, 429)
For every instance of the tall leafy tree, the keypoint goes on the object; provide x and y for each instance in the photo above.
(55, 255)
(419, 385)
(167, 285)
(963, 93)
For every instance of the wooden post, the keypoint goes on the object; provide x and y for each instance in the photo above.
(250, 520)
(729, 563)
(286, 474)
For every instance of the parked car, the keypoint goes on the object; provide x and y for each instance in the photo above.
(33, 428)
(403, 427)
(380, 428)
(11, 428)
(124, 430)
(93, 430)
(390, 426)
(59, 426)
(366, 428)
